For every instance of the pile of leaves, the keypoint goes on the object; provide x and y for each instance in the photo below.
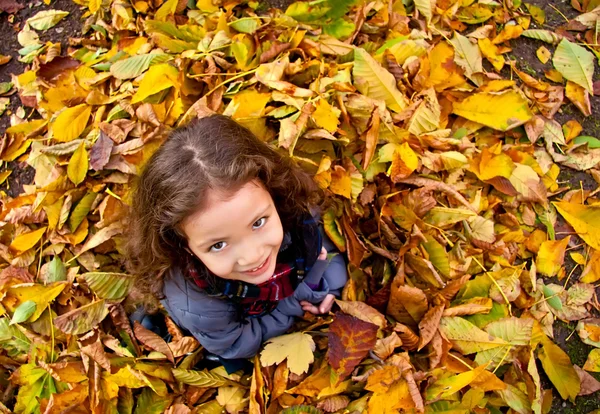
(441, 159)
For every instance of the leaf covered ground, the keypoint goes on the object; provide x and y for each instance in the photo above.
(442, 153)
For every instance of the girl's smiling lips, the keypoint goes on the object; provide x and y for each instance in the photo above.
(258, 270)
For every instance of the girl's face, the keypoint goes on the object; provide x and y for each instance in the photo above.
(237, 236)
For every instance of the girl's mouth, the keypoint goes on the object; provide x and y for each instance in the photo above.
(258, 270)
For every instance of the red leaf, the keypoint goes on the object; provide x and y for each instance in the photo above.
(350, 340)
(55, 67)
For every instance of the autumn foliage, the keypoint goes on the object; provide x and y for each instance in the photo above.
(439, 152)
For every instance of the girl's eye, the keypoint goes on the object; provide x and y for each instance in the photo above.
(217, 247)
(259, 223)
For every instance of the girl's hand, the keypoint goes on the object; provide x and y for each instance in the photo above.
(323, 254)
(324, 307)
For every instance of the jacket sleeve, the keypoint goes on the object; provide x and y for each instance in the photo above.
(213, 321)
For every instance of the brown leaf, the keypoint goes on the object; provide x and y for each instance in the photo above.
(280, 380)
(10, 6)
(407, 304)
(100, 152)
(178, 409)
(385, 347)
(173, 329)
(58, 65)
(350, 340)
(184, 346)
(410, 340)
(152, 341)
(145, 113)
(333, 403)
(96, 352)
(371, 138)
(275, 49)
(363, 312)
(589, 384)
(113, 132)
(429, 324)
(354, 246)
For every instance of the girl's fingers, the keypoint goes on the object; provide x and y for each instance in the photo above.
(327, 303)
(323, 254)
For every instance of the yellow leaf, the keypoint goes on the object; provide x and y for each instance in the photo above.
(297, 348)
(445, 387)
(492, 53)
(426, 117)
(158, 78)
(404, 162)
(559, 368)
(376, 82)
(551, 256)
(207, 6)
(26, 241)
(591, 272)
(444, 73)
(326, 116)
(584, 219)
(40, 294)
(94, 5)
(78, 165)
(498, 111)
(167, 9)
(396, 397)
(232, 398)
(527, 182)
(71, 122)
(488, 165)
(543, 54)
(341, 182)
(509, 32)
(248, 103)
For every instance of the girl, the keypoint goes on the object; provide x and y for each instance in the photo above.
(223, 221)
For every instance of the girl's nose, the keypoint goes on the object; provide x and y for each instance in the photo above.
(250, 257)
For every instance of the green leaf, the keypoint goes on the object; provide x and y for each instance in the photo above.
(81, 210)
(475, 14)
(5, 87)
(591, 142)
(136, 65)
(466, 337)
(332, 230)
(149, 402)
(202, 378)
(425, 8)
(467, 55)
(302, 409)
(547, 36)
(46, 19)
(374, 81)
(339, 28)
(13, 340)
(57, 271)
(437, 256)
(110, 286)
(575, 63)
(559, 369)
(551, 297)
(246, 25)
(23, 312)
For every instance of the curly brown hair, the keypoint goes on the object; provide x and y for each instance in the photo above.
(210, 153)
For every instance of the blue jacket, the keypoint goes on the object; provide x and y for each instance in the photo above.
(214, 321)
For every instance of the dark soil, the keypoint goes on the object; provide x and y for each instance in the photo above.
(10, 25)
